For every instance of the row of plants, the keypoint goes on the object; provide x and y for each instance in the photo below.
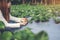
(25, 34)
(56, 12)
(57, 20)
(37, 13)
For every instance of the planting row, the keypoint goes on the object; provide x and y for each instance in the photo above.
(25, 34)
(37, 13)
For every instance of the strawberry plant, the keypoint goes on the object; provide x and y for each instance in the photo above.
(27, 34)
(2, 25)
(39, 13)
(6, 35)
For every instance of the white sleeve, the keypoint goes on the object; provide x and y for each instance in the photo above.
(11, 25)
(15, 18)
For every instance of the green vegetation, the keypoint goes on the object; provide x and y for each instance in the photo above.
(6, 35)
(38, 13)
(25, 34)
(42, 36)
(57, 20)
(2, 25)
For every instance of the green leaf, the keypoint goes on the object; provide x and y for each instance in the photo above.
(2, 25)
(6, 35)
(42, 36)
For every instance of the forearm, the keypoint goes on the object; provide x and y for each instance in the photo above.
(15, 18)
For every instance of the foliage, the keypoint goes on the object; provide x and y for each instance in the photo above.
(42, 36)
(28, 35)
(2, 25)
(25, 34)
(57, 20)
(38, 12)
(55, 10)
(6, 35)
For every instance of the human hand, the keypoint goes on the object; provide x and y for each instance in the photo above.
(23, 21)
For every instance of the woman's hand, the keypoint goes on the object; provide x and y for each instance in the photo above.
(23, 21)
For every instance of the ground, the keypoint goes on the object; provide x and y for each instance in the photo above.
(50, 27)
